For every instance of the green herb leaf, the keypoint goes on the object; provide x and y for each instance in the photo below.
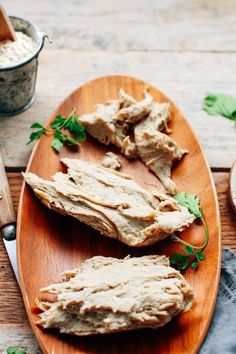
(220, 105)
(180, 261)
(70, 123)
(200, 256)
(12, 350)
(57, 145)
(59, 135)
(58, 122)
(191, 202)
(37, 125)
(71, 141)
(75, 127)
(192, 254)
(36, 135)
(188, 250)
(195, 263)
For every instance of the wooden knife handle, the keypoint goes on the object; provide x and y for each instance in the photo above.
(7, 214)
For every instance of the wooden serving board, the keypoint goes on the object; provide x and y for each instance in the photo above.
(49, 243)
(232, 183)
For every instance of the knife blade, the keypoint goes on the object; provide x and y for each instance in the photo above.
(10, 245)
(7, 218)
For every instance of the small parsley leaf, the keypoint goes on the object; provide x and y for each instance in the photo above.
(75, 127)
(57, 144)
(36, 135)
(191, 202)
(195, 263)
(220, 105)
(59, 125)
(59, 135)
(180, 261)
(189, 250)
(37, 125)
(200, 256)
(12, 350)
(58, 122)
(71, 141)
(192, 254)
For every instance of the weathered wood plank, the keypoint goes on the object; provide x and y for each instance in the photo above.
(134, 24)
(184, 77)
(227, 214)
(18, 336)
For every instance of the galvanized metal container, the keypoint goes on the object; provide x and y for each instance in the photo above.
(17, 82)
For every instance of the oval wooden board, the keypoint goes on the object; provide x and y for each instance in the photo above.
(49, 244)
(232, 184)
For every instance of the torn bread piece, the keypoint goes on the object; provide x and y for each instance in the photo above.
(110, 202)
(107, 295)
(135, 112)
(99, 124)
(129, 148)
(158, 118)
(112, 161)
(110, 123)
(145, 122)
(158, 151)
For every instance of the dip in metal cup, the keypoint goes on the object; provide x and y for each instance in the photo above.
(17, 82)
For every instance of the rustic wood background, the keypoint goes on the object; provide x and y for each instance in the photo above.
(185, 48)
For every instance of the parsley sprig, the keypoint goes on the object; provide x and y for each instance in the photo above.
(59, 125)
(12, 350)
(192, 254)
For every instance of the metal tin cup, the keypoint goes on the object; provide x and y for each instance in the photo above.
(17, 82)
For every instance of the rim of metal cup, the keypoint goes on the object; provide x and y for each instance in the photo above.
(43, 35)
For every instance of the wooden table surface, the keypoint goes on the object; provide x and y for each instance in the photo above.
(185, 48)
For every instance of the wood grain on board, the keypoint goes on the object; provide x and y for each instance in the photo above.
(186, 79)
(14, 326)
(232, 182)
(67, 254)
